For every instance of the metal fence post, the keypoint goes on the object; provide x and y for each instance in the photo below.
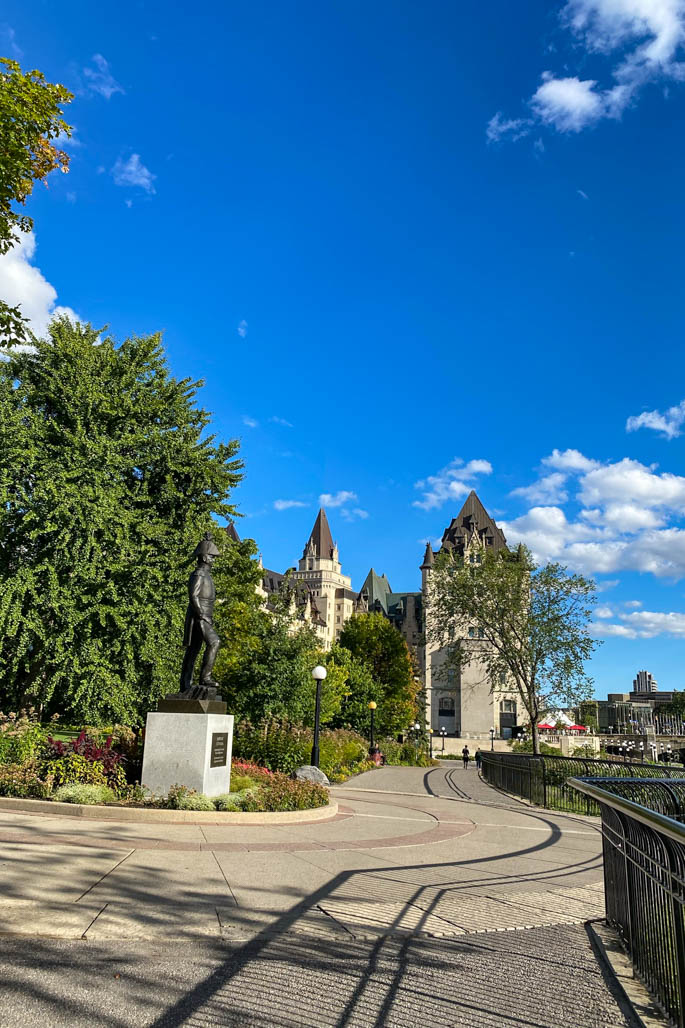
(679, 929)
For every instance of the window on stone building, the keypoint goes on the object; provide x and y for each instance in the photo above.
(446, 706)
(472, 633)
(507, 706)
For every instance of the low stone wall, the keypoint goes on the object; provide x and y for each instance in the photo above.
(93, 812)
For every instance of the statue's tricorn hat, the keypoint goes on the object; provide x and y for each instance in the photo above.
(206, 546)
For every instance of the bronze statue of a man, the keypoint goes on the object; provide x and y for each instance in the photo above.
(199, 630)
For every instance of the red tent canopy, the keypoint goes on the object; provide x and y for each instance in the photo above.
(577, 728)
(545, 725)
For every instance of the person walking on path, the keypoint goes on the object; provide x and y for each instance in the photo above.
(465, 755)
(478, 757)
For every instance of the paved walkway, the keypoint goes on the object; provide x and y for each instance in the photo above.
(430, 897)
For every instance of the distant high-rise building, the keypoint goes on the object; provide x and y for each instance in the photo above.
(644, 682)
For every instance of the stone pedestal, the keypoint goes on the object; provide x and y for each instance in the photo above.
(188, 749)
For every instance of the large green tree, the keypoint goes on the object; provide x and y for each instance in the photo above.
(375, 645)
(30, 123)
(239, 614)
(529, 626)
(107, 480)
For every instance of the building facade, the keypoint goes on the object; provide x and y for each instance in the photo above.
(463, 701)
(644, 681)
(319, 570)
(321, 596)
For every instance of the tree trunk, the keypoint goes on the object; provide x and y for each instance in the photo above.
(534, 735)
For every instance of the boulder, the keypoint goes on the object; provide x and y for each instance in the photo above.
(309, 773)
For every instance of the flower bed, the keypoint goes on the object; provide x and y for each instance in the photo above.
(90, 767)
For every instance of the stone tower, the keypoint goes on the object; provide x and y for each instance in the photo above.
(320, 570)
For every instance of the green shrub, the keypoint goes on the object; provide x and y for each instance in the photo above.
(21, 736)
(195, 801)
(75, 768)
(240, 782)
(283, 793)
(282, 746)
(404, 753)
(180, 797)
(235, 800)
(81, 793)
(527, 747)
(25, 781)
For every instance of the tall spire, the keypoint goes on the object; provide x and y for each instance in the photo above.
(321, 538)
(428, 556)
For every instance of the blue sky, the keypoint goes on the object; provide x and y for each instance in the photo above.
(402, 244)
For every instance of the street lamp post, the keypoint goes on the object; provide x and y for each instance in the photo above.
(318, 674)
(642, 752)
(443, 733)
(417, 728)
(373, 749)
(492, 738)
(430, 742)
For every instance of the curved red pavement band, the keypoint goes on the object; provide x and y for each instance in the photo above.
(439, 833)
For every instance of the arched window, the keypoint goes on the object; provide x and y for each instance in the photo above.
(446, 706)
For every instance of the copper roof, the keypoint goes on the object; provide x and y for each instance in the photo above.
(473, 519)
(321, 538)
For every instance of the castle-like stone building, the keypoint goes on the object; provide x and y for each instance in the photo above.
(461, 700)
(321, 596)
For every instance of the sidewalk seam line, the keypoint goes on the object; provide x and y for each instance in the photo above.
(111, 870)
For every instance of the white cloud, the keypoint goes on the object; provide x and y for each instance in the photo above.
(569, 460)
(250, 422)
(354, 513)
(633, 603)
(453, 482)
(549, 489)
(668, 424)
(21, 282)
(609, 583)
(242, 328)
(582, 193)
(9, 38)
(513, 128)
(288, 504)
(72, 142)
(641, 38)
(547, 532)
(627, 481)
(645, 624)
(604, 612)
(280, 421)
(338, 499)
(133, 173)
(99, 79)
(567, 104)
(602, 629)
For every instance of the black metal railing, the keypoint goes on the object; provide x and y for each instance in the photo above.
(544, 780)
(644, 879)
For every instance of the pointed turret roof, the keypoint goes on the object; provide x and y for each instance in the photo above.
(377, 589)
(473, 519)
(232, 533)
(321, 538)
(428, 557)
